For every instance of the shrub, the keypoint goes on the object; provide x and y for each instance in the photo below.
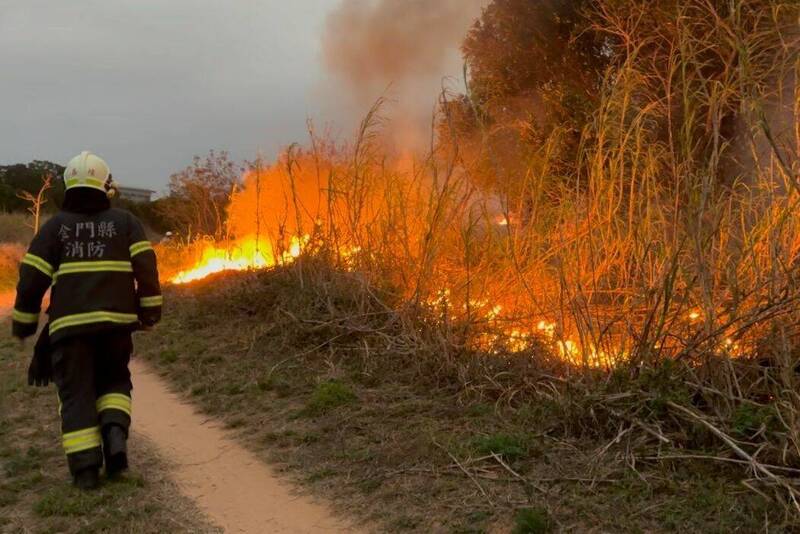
(509, 447)
(532, 521)
(329, 395)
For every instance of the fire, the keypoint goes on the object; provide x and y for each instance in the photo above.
(250, 253)
(425, 244)
(246, 254)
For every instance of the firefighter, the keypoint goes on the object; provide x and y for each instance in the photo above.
(101, 272)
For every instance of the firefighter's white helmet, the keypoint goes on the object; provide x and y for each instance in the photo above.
(86, 170)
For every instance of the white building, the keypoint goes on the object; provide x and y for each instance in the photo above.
(135, 194)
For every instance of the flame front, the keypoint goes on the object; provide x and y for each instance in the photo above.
(245, 254)
(511, 281)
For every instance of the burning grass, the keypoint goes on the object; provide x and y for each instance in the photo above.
(647, 288)
(10, 258)
(317, 369)
(14, 231)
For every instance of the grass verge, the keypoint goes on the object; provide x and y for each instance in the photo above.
(35, 490)
(360, 419)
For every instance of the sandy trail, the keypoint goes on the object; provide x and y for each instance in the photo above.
(239, 492)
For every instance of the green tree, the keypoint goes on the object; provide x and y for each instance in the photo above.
(199, 195)
(534, 69)
(18, 179)
(521, 48)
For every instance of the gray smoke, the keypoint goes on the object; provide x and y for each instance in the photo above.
(410, 47)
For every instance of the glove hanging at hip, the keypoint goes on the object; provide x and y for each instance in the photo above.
(40, 371)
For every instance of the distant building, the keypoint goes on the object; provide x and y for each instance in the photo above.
(135, 194)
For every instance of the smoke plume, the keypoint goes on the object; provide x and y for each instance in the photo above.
(401, 49)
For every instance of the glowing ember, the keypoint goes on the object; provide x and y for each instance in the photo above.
(548, 329)
(494, 313)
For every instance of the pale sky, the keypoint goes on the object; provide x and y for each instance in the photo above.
(147, 84)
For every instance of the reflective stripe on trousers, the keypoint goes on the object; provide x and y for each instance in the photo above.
(114, 401)
(81, 440)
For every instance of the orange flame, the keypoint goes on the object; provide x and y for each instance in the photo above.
(246, 254)
(294, 196)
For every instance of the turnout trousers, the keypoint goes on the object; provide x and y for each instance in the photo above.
(94, 392)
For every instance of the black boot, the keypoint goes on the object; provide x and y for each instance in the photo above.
(87, 479)
(115, 450)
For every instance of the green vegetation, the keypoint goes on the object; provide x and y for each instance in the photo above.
(749, 419)
(509, 447)
(198, 197)
(578, 312)
(169, 356)
(327, 396)
(18, 178)
(67, 501)
(532, 521)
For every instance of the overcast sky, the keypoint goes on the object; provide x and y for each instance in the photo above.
(147, 84)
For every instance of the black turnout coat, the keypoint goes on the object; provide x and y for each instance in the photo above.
(100, 267)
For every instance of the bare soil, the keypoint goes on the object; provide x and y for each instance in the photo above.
(238, 491)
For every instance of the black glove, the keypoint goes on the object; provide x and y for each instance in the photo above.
(40, 371)
(149, 317)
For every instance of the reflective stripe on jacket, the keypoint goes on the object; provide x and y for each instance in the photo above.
(101, 270)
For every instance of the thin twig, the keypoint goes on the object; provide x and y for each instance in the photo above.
(757, 466)
(466, 472)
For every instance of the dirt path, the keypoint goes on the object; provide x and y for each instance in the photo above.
(238, 491)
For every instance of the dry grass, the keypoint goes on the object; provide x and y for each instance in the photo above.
(14, 228)
(314, 368)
